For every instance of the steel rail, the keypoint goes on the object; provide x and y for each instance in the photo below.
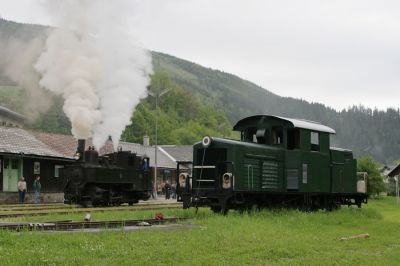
(10, 207)
(16, 208)
(84, 210)
(68, 225)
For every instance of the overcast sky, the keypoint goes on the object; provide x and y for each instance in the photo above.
(339, 53)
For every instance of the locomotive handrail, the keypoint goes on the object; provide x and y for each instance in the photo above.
(204, 167)
(248, 176)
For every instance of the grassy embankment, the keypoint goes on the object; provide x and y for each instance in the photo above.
(264, 238)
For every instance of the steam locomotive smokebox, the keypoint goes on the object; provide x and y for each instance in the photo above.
(92, 156)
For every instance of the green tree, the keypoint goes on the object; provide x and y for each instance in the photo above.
(182, 117)
(375, 184)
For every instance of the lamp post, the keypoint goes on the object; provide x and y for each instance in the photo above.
(156, 95)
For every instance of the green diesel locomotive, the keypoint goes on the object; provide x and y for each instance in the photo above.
(278, 162)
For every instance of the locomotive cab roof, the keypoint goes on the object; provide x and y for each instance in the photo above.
(285, 132)
(259, 120)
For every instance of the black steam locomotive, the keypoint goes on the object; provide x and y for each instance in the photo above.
(111, 179)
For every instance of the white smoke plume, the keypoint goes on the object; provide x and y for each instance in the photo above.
(16, 59)
(96, 65)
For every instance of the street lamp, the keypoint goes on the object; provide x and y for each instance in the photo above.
(156, 95)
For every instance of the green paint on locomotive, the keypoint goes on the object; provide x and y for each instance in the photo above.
(275, 155)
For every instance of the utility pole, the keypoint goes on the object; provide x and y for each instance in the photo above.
(156, 95)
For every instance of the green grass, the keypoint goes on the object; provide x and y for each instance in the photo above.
(279, 237)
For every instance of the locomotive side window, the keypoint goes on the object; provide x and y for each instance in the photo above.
(293, 138)
(277, 135)
(249, 134)
(314, 141)
(131, 160)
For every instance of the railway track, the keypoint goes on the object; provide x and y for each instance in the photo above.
(28, 207)
(37, 208)
(70, 225)
(43, 212)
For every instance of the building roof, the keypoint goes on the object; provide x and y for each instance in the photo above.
(163, 160)
(395, 171)
(19, 141)
(36, 143)
(178, 152)
(63, 144)
(296, 123)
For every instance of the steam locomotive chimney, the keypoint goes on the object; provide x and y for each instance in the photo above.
(81, 149)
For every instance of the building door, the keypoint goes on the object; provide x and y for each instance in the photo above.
(12, 169)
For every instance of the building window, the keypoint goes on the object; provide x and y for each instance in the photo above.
(14, 164)
(6, 163)
(57, 170)
(314, 141)
(36, 168)
(1, 166)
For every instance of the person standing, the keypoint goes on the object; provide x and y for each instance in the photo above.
(167, 190)
(21, 190)
(36, 189)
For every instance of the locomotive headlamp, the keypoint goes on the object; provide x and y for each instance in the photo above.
(227, 180)
(206, 141)
(182, 179)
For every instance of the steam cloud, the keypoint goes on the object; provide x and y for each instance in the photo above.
(94, 63)
(16, 59)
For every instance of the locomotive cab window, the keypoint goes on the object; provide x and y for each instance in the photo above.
(277, 135)
(315, 141)
(262, 136)
(249, 134)
(131, 160)
(293, 138)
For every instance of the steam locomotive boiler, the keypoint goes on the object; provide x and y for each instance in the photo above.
(278, 162)
(111, 179)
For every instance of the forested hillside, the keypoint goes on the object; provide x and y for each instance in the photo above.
(201, 97)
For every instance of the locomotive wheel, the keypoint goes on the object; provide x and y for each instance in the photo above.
(87, 204)
(219, 209)
(254, 207)
(216, 209)
(131, 202)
